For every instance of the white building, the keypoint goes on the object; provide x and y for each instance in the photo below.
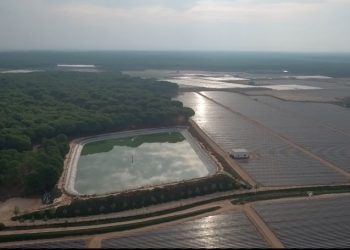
(239, 153)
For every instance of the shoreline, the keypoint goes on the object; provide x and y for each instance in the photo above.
(70, 170)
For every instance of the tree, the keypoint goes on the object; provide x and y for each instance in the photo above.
(16, 211)
(16, 141)
(42, 110)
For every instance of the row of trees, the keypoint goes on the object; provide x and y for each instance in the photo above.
(137, 199)
(43, 105)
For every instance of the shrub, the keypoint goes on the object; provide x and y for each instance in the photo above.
(139, 198)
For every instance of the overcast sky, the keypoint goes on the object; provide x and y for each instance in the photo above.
(255, 25)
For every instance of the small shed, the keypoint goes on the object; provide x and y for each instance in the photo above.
(239, 153)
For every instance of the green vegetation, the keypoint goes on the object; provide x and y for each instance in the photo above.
(33, 172)
(293, 192)
(100, 230)
(57, 105)
(133, 141)
(101, 220)
(237, 199)
(136, 199)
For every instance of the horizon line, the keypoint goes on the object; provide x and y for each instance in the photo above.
(174, 50)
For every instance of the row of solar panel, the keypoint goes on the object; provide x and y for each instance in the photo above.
(313, 222)
(273, 162)
(327, 143)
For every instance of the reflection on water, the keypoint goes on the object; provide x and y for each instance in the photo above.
(76, 65)
(289, 87)
(218, 83)
(19, 71)
(126, 167)
(201, 105)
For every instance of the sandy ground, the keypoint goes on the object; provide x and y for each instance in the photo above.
(238, 170)
(262, 228)
(7, 207)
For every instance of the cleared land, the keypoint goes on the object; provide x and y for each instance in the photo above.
(319, 222)
(7, 207)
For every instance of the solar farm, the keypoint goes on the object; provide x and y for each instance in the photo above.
(308, 222)
(330, 115)
(299, 158)
(317, 222)
(329, 144)
(229, 230)
(273, 161)
(66, 244)
(305, 223)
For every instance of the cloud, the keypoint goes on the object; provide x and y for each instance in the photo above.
(130, 4)
(185, 24)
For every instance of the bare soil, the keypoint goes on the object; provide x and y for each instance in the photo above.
(7, 207)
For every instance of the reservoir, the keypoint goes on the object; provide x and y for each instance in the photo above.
(122, 163)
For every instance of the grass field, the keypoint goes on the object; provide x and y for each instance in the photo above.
(132, 141)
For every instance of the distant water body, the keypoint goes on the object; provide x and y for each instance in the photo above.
(19, 71)
(303, 64)
(76, 65)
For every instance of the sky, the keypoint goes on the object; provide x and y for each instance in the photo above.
(223, 25)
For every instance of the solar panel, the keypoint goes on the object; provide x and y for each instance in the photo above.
(225, 231)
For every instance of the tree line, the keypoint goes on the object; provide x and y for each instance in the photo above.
(40, 111)
(137, 198)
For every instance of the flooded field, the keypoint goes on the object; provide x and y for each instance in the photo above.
(305, 223)
(276, 81)
(318, 90)
(273, 162)
(133, 161)
(20, 71)
(87, 68)
(208, 80)
(76, 65)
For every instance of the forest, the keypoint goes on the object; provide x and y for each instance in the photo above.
(40, 112)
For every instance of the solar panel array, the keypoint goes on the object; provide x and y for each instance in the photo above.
(272, 161)
(320, 140)
(313, 223)
(329, 114)
(53, 244)
(318, 95)
(230, 230)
